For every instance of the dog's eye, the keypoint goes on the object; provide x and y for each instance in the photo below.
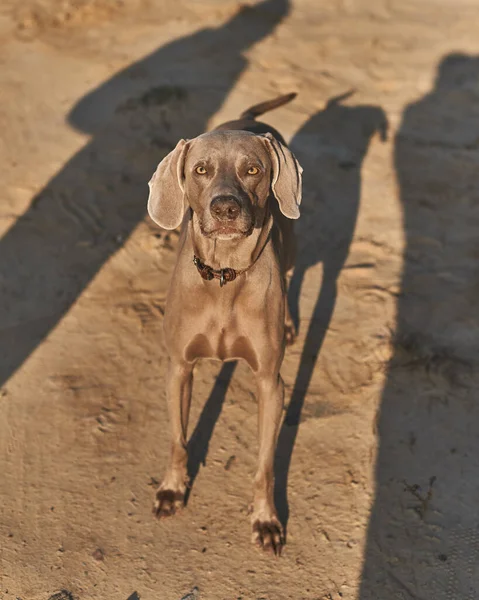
(253, 171)
(201, 170)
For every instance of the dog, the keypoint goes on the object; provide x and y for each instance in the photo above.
(235, 191)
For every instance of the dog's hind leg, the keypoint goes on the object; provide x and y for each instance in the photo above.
(290, 331)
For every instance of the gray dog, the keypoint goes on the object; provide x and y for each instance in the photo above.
(234, 191)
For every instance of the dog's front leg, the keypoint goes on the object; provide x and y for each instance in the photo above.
(171, 493)
(267, 530)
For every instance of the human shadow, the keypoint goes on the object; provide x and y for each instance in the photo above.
(331, 147)
(423, 535)
(88, 210)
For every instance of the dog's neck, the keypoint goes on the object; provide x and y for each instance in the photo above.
(239, 254)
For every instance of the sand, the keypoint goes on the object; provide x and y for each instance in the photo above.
(377, 466)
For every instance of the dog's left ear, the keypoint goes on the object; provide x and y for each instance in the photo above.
(286, 178)
(166, 202)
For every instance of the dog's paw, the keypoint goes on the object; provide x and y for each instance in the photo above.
(167, 503)
(289, 334)
(268, 535)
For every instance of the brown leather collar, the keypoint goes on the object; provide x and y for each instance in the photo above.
(224, 275)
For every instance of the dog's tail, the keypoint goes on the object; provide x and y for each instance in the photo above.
(262, 107)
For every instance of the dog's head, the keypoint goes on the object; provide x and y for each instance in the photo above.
(226, 177)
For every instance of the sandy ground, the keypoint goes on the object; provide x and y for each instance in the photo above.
(377, 467)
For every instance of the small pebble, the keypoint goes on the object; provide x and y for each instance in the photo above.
(98, 554)
(229, 462)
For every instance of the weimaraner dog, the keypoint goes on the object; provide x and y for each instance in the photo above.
(235, 191)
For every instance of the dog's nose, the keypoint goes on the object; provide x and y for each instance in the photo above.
(225, 208)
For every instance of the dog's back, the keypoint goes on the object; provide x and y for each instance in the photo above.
(247, 119)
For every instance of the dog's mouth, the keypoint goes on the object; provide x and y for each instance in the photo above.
(226, 231)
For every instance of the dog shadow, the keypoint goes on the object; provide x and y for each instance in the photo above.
(199, 441)
(331, 147)
(88, 210)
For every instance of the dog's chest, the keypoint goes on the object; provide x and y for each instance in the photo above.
(220, 323)
(223, 326)
(244, 319)
(223, 345)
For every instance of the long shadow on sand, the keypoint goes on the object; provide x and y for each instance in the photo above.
(88, 210)
(423, 537)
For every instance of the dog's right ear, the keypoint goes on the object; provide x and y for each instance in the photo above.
(166, 202)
